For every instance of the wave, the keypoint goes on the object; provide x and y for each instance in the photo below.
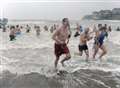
(114, 37)
(29, 53)
(83, 78)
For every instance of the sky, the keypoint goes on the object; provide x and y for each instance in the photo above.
(53, 9)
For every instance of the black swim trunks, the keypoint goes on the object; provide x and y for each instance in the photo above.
(83, 47)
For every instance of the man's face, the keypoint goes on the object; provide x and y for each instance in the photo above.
(66, 22)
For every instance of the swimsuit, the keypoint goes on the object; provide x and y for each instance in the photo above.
(100, 39)
(83, 47)
(61, 49)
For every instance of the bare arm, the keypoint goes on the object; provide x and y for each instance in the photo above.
(85, 38)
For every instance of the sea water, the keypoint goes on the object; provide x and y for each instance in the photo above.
(28, 62)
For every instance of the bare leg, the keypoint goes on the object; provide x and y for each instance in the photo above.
(96, 48)
(56, 61)
(67, 57)
(87, 55)
(80, 53)
(104, 51)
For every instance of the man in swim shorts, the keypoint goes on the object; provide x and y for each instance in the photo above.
(61, 37)
(84, 37)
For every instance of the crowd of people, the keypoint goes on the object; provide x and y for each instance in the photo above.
(16, 30)
(62, 34)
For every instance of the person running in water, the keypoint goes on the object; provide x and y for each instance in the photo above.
(28, 28)
(37, 30)
(12, 33)
(51, 29)
(46, 28)
(118, 28)
(77, 33)
(4, 28)
(84, 38)
(61, 36)
(79, 30)
(99, 42)
(109, 29)
(18, 31)
(54, 27)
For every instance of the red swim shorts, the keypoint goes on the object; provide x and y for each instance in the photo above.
(61, 49)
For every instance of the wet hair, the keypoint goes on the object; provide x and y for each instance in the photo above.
(17, 26)
(105, 26)
(64, 19)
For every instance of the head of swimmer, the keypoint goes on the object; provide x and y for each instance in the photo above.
(87, 30)
(65, 22)
(99, 26)
(12, 27)
(17, 26)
